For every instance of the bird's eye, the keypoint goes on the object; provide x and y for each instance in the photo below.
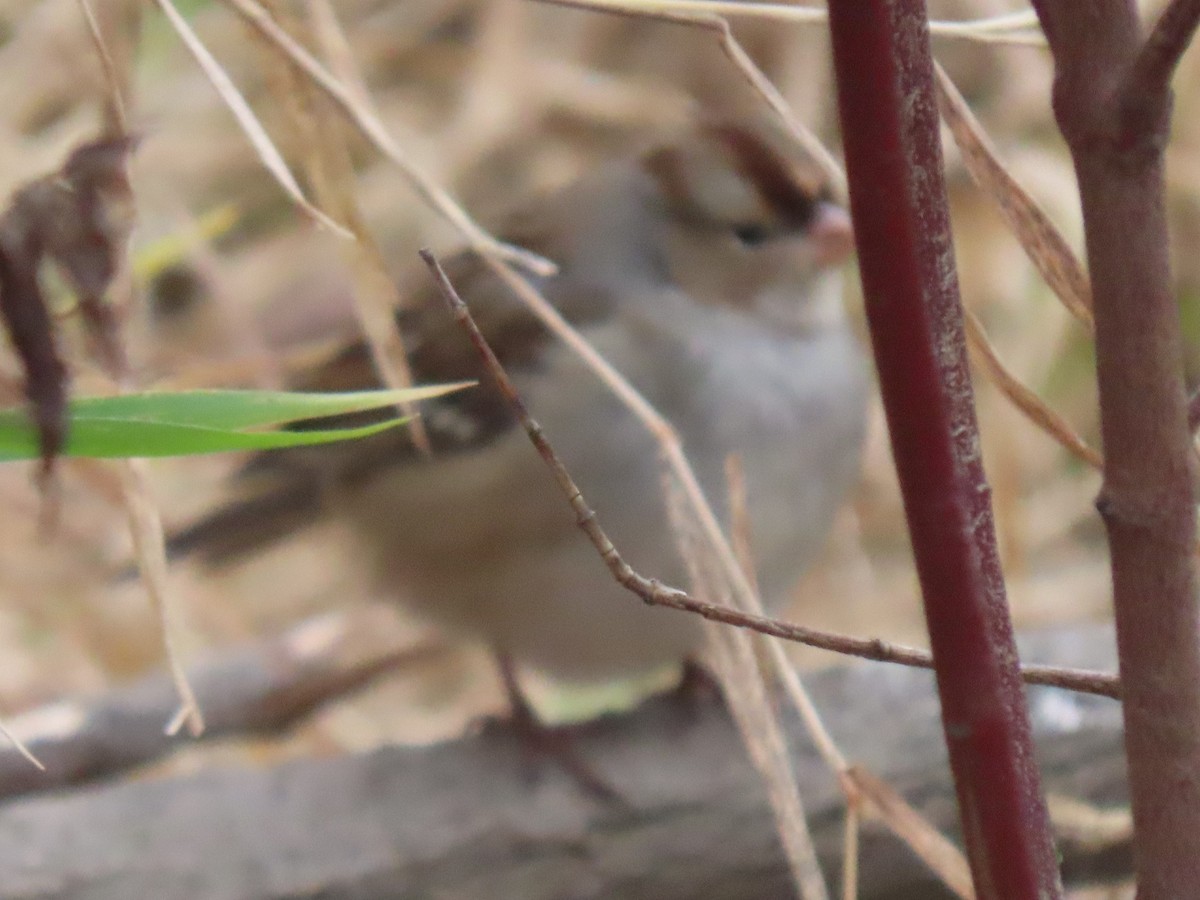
(751, 234)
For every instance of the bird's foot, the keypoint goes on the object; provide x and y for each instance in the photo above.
(541, 742)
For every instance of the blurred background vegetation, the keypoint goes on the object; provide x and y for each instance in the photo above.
(496, 99)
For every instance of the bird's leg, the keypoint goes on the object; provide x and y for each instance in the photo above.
(697, 683)
(542, 740)
(697, 689)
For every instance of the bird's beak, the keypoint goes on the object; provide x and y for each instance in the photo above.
(832, 234)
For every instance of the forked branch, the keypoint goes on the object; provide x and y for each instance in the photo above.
(1112, 100)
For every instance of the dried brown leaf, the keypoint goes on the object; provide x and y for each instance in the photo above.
(78, 217)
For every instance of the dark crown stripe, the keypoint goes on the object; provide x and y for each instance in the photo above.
(773, 180)
(667, 167)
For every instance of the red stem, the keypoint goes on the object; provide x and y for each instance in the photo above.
(893, 159)
(1112, 101)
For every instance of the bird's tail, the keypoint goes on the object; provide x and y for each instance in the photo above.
(247, 525)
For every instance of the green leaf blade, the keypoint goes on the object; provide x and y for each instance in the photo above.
(189, 423)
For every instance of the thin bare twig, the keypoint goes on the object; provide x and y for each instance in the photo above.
(670, 446)
(658, 594)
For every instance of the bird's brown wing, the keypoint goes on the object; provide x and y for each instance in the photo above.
(439, 352)
(278, 492)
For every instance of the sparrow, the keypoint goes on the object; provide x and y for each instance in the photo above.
(708, 271)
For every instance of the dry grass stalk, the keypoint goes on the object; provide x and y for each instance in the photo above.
(927, 842)
(497, 88)
(732, 653)
(268, 153)
(683, 14)
(784, 671)
(856, 783)
(781, 666)
(145, 526)
(318, 138)
(850, 848)
(368, 122)
(117, 91)
(145, 522)
(1013, 28)
(1030, 404)
(1038, 235)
